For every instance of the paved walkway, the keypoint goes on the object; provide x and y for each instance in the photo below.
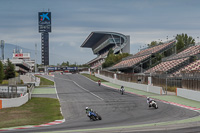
(44, 92)
(171, 99)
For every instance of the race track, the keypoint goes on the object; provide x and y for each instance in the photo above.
(76, 92)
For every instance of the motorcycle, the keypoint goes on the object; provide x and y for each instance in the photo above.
(94, 116)
(122, 90)
(153, 104)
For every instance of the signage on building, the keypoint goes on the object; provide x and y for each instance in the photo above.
(21, 55)
(61, 68)
(44, 21)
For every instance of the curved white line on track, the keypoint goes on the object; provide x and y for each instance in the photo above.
(82, 88)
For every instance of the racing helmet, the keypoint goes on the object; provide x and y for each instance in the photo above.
(86, 108)
(147, 98)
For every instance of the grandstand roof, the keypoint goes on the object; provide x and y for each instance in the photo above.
(95, 37)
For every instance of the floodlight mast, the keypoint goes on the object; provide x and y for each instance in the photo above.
(2, 49)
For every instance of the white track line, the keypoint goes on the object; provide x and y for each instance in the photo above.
(81, 88)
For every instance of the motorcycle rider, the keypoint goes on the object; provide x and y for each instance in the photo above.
(149, 100)
(99, 82)
(122, 88)
(88, 110)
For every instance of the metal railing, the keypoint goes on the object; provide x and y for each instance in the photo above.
(185, 80)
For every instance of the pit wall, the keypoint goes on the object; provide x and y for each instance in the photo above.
(13, 102)
(143, 87)
(189, 94)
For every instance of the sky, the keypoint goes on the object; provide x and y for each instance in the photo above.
(73, 20)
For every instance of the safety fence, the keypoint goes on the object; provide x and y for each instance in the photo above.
(184, 80)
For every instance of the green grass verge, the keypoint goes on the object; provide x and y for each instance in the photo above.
(45, 82)
(92, 77)
(36, 111)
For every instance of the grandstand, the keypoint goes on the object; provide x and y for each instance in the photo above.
(101, 42)
(192, 67)
(179, 62)
(143, 59)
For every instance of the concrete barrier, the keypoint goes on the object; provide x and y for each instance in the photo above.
(143, 87)
(13, 102)
(189, 94)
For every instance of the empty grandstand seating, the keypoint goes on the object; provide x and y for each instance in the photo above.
(168, 66)
(142, 55)
(130, 62)
(194, 66)
(193, 50)
(154, 49)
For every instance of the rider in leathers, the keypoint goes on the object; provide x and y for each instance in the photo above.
(149, 100)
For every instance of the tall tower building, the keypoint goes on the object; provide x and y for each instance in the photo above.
(44, 23)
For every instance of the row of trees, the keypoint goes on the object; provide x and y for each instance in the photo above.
(6, 71)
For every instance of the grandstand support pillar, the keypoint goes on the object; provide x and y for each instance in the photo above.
(166, 83)
(175, 48)
(150, 62)
(113, 39)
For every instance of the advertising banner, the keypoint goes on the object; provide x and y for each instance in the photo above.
(44, 21)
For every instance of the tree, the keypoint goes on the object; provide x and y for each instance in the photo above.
(10, 70)
(111, 51)
(183, 41)
(113, 59)
(65, 64)
(153, 43)
(1, 72)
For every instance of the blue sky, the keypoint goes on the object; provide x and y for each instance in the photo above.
(74, 20)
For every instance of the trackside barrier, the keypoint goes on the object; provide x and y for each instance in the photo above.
(16, 102)
(143, 87)
(13, 102)
(86, 72)
(189, 94)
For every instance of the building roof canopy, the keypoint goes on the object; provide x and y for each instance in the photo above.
(95, 37)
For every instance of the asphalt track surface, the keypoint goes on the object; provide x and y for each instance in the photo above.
(77, 92)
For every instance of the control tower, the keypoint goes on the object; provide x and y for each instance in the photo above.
(44, 23)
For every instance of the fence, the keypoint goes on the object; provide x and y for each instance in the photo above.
(184, 80)
(107, 74)
(13, 91)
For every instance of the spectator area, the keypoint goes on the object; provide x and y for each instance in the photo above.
(193, 50)
(194, 66)
(135, 59)
(168, 66)
(179, 60)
